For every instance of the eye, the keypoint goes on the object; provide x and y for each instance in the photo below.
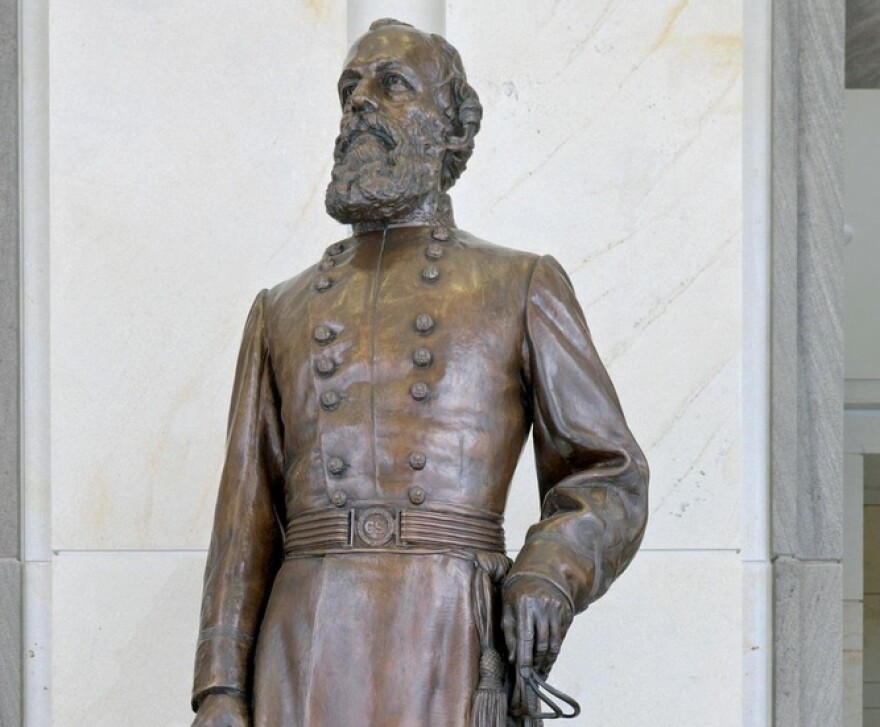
(346, 90)
(395, 82)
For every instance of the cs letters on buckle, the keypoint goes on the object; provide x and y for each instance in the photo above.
(375, 526)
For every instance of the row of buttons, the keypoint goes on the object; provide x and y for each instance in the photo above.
(324, 282)
(422, 357)
(416, 460)
(326, 366)
(424, 323)
(416, 494)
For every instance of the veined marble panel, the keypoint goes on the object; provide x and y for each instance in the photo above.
(124, 628)
(191, 144)
(612, 139)
(663, 647)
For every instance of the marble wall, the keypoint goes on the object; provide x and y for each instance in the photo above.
(190, 145)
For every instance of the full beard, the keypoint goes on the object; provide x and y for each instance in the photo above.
(380, 174)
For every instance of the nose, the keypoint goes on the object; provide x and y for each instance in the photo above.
(362, 98)
(360, 101)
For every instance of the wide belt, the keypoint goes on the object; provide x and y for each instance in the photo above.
(371, 526)
(389, 527)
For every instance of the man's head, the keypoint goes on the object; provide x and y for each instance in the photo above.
(409, 119)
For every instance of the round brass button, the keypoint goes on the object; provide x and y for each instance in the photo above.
(335, 466)
(339, 498)
(323, 334)
(440, 233)
(434, 251)
(424, 324)
(329, 400)
(431, 274)
(419, 391)
(422, 357)
(336, 248)
(417, 460)
(417, 495)
(323, 283)
(325, 366)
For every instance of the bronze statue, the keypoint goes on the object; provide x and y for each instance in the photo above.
(357, 573)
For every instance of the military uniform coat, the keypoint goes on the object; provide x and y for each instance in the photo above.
(405, 370)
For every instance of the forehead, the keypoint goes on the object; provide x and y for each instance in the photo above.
(396, 43)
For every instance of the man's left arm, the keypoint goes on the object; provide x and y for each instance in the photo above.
(592, 475)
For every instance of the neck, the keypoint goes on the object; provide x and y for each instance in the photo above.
(435, 210)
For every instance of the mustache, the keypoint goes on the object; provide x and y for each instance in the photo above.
(352, 127)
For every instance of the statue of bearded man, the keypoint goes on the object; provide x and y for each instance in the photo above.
(358, 573)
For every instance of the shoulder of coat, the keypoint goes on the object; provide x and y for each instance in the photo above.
(301, 283)
(494, 250)
(290, 287)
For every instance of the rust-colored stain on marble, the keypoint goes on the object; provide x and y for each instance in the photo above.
(318, 7)
(724, 49)
(671, 18)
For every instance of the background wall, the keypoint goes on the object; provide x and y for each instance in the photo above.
(862, 265)
(862, 258)
(190, 144)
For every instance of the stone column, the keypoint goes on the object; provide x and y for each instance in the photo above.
(10, 374)
(807, 361)
(427, 15)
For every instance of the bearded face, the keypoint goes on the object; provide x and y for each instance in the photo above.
(384, 169)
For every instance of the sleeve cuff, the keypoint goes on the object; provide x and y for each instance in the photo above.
(555, 563)
(222, 664)
(197, 699)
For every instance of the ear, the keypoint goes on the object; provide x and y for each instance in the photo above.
(458, 143)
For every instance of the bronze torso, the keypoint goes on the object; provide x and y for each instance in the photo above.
(400, 376)
(419, 383)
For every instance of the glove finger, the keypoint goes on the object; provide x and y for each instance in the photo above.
(525, 636)
(508, 625)
(542, 639)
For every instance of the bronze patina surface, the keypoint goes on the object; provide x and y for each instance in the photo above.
(357, 572)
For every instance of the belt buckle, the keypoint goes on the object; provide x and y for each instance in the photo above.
(376, 526)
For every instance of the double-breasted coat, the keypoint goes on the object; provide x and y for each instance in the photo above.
(403, 372)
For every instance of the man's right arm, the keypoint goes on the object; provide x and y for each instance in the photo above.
(246, 543)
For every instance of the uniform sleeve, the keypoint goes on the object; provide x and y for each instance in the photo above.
(592, 476)
(246, 543)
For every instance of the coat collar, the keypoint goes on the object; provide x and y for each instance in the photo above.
(439, 216)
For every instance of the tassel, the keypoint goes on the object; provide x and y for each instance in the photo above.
(490, 701)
